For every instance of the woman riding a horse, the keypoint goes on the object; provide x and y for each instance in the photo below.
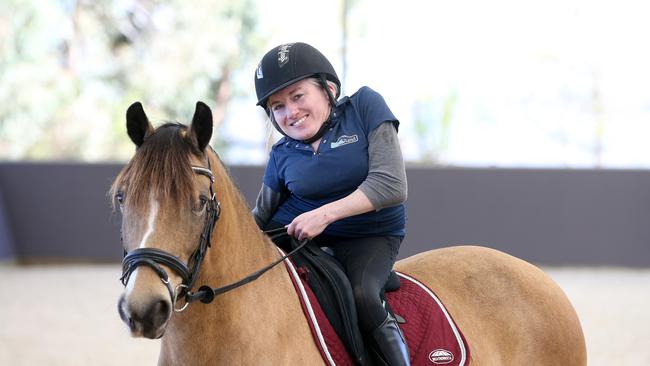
(337, 177)
(194, 256)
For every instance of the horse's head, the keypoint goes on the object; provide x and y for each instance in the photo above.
(166, 197)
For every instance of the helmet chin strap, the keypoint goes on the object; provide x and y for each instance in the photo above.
(321, 131)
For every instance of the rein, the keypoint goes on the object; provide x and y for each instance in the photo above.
(153, 258)
(206, 294)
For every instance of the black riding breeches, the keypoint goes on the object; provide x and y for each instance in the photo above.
(368, 263)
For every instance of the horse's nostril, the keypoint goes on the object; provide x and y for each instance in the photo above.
(160, 308)
(120, 309)
(155, 318)
(131, 324)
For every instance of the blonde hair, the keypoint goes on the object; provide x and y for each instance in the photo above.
(331, 84)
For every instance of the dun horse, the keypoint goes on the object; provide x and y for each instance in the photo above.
(510, 312)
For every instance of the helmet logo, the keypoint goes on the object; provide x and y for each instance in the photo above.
(283, 54)
(259, 73)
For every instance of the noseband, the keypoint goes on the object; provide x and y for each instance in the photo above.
(153, 257)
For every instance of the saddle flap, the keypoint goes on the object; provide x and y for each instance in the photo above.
(333, 291)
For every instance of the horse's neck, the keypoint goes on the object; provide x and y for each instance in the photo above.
(257, 312)
(238, 246)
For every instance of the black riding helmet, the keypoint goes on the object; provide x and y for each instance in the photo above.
(288, 63)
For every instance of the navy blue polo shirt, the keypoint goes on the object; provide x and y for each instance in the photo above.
(315, 178)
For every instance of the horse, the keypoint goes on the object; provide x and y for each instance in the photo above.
(175, 192)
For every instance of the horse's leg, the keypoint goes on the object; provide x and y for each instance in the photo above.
(510, 312)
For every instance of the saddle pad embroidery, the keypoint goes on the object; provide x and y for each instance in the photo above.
(432, 336)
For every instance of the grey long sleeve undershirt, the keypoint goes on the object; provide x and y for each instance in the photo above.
(385, 185)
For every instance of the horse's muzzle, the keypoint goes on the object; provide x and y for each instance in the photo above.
(145, 320)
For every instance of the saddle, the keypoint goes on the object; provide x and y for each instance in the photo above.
(333, 291)
(432, 336)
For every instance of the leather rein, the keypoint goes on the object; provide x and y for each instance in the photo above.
(154, 258)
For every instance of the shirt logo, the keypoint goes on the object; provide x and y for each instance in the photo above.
(283, 54)
(344, 140)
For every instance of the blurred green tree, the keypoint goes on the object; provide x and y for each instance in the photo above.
(432, 122)
(69, 69)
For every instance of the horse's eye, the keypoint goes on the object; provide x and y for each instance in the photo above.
(200, 204)
(119, 196)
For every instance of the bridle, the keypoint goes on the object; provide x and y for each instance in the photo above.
(153, 258)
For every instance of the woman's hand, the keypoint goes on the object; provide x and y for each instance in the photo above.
(312, 223)
(309, 225)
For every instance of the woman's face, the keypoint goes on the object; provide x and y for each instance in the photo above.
(300, 109)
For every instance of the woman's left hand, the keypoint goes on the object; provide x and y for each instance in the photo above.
(308, 225)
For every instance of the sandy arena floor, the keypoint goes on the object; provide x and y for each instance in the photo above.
(66, 315)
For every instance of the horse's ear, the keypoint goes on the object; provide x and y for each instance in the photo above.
(137, 124)
(201, 130)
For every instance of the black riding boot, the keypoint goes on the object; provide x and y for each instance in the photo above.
(390, 341)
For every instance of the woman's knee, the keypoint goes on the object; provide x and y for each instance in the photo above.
(368, 300)
(370, 312)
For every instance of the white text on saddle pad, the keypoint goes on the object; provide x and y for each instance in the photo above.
(441, 356)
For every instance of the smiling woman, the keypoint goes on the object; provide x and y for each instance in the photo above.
(299, 109)
(347, 195)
